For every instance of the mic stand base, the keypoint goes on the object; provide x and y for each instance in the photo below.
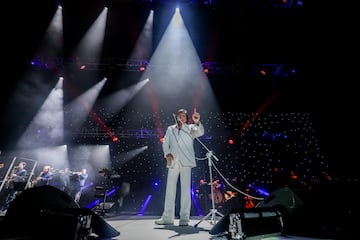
(213, 210)
(211, 214)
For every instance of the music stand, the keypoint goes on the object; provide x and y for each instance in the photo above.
(213, 210)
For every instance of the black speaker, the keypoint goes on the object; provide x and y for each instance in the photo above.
(249, 222)
(33, 200)
(103, 229)
(284, 200)
(46, 211)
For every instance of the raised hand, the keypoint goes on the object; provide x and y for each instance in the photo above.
(195, 116)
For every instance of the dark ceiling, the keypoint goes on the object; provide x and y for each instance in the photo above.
(238, 34)
(241, 33)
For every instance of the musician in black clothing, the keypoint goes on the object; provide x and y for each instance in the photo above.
(14, 185)
(233, 202)
(44, 177)
(77, 182)
(203, 195)
(65, 180)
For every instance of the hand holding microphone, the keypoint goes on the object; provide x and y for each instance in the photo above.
(178, 120)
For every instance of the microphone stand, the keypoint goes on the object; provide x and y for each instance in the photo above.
(30, 178)
(213, 210)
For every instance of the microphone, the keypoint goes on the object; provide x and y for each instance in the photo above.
(177, 121)
(175, 118)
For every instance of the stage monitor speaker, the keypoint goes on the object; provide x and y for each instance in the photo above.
(249, 222)
(284, 200)
(47, 209)
(33, 200)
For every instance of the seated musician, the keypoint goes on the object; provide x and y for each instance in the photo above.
(249, 201)
(218, 189)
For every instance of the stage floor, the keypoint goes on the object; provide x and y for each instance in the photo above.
(132, 227)
(140, 227)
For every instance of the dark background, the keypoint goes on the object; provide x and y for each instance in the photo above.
(244, 35)
(234, 34)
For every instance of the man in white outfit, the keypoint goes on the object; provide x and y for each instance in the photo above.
(178, 148)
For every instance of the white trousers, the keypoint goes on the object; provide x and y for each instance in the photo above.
(170, 195)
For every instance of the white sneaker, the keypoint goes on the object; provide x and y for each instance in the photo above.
(163, 222)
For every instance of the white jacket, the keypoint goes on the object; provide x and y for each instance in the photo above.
(180, 142)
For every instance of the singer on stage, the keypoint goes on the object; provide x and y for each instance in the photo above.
(178, 148)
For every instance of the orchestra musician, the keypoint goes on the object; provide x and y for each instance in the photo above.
(61, 179)
(233, 199)
(202, 195)
(44, 177)
(14, 185)
(64, 184)
(233, 202)
(218, 193)
(249, 201)
(77, 181)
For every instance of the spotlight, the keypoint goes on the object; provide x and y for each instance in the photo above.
(142, 68)
(210, 67)
(143, 65)
(206, 70)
